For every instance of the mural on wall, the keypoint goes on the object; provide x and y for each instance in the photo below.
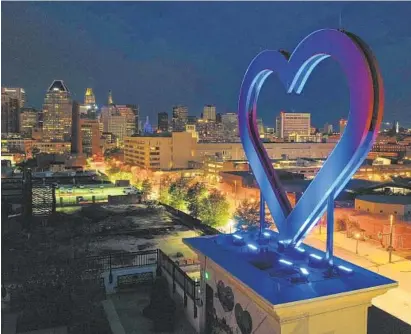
(243, 318)
(225, 296)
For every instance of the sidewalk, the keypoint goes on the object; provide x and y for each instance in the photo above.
(397, 301)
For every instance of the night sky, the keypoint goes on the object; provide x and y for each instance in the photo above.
(160, 54)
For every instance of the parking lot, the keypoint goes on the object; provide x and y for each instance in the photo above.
(67, 195)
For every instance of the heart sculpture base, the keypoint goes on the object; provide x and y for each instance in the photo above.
(283, 291)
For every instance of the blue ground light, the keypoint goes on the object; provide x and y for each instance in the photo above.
(283, 276)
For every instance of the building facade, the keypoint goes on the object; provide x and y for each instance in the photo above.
(162, 121)
(57, 112)
(29, 120)
(15, 93)
(293, 123)
(10, 117)
(180, 117)
(90, 134)
(209, 113)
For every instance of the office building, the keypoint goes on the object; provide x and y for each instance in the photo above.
(10, 117)
(76, 145)
(148, 129)
(293, 123)
(15, 93)
(29, 120)
(180, 117)
(343, 124)
(89, 97)
(260, 127)
(120, 120)
(192, 120)
(209, 113)
(162, 121)
(229, 123)
(137, 150)
(209, 131)
(57, 112)
(158, 152)
(90, 136)
(328, 128)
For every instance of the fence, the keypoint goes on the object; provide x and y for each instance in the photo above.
(191, 222)
(190, 287)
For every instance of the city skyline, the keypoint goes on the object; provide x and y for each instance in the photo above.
(204, 69)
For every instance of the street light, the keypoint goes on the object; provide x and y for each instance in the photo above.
(390, 248)
(357, 236)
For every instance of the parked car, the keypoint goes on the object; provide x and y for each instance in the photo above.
(130, 191)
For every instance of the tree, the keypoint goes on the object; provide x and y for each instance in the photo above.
(195, 194)
(214, 209)
(248, 215)
(146, 188)
(178, 194)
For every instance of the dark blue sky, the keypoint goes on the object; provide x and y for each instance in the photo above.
(157, 54)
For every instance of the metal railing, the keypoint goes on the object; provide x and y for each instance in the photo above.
(186, 283)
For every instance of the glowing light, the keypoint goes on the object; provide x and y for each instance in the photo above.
(301, 250)
(266, 234)
(237, 236)
(315, 256)
(304, 271)
(348, 270)
(251, 246)
(366, 91)
(288, 263)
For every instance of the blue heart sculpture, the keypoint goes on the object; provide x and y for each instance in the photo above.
(365, 115)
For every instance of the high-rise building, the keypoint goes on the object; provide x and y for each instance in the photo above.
(29, 120)
(230, 127)
(110, 98)
(343, 124)
(120, 120)
(192, 120)
(15, 93)
(148, 129)
(293, 123)
(162, 121)
(57, 112)
(90, 136)
(209, 113)
(180, 115)
(328, 128)
(89, 97)
(218, 118)
(209, 131)
(76, 143)
(9, 114)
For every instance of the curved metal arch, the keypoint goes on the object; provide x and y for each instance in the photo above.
(366, 109)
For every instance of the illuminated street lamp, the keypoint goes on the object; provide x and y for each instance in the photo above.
(357, 237)
(390, 248)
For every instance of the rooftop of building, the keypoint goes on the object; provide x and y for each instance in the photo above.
(385, 199)
(279, 276)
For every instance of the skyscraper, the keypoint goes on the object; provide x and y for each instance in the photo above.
(162, 121)
(29, 120)
(9, 114)
(57, 112)
(76, 143)
(180, 115)
(110, 98)
(293, 123)
(209, 112)
(147, 127)
(15, 93)
(328, 128)
(230, 126)
(89, 97)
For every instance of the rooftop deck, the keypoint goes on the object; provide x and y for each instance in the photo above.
(283, 276)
